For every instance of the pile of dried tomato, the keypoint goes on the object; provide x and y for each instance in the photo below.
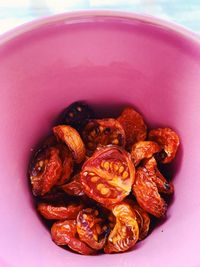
(97, 181)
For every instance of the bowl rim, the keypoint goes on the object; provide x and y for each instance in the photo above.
(74, 16)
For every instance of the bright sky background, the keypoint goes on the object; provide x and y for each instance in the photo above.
(16, 12)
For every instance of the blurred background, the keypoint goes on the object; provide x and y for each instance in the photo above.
(16, 12)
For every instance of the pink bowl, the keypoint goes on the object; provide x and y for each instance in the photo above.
(108, 59)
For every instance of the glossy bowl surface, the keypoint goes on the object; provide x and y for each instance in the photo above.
(109, 59)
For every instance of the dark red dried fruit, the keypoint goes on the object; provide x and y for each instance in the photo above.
(76, 115)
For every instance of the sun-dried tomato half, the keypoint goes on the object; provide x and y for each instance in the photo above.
(45, 170)
(53, 212)
(72, 139)
(162, 184)
(103, 132)
(67, 163)
(142, 217)
(65, 233)
(146, 193)
(168, 140)
(76, 115)
(74, 188)
(143, 220)
(134, 126)
(108, 175)
(64, 154)
(91, 228)
(143, 150)
(125, 232)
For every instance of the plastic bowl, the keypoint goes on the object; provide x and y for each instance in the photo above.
(108, 59)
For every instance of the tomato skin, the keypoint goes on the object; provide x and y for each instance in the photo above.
(143, 150)
(134, 126)
(59, 212)
(65, 233)
(107, 176)
(125, 233)
(72, 139)
(45, 170)
(168, 140)
(142, 218)
(162, 184)
(74, 187)
(67, 163)
(147, 195)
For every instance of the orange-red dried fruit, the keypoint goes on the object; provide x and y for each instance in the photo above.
(74, 188)
(142, 217)
(125, 232)
(91, 228)
(108, 175)
(103, 132)
(143, 150)
(168, 140)
(67, 163)
(147, 195)
(134, 126)
(72, 139)
(59, 212)
(65, 233)
(64, 154)
(45, 170)
(162, 184)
